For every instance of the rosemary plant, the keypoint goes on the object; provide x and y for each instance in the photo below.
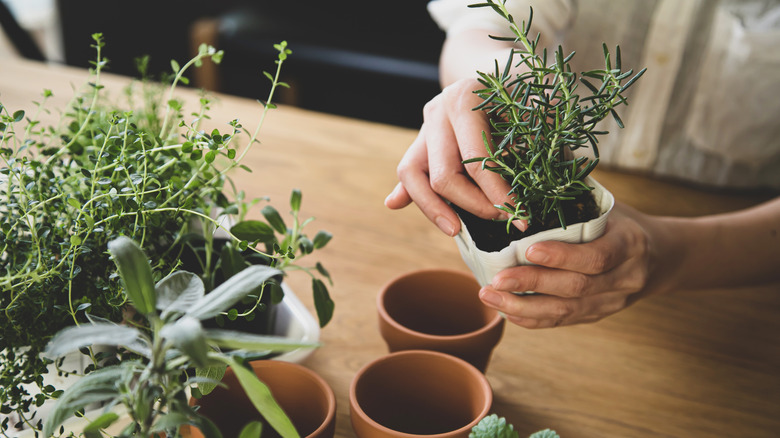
(111, 169)
(538, 120)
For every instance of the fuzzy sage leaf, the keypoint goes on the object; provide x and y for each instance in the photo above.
(73, 338)
(263, 400)
(246, 341)
(135, 272)
(231, 291)
(188, 335)
(95, 387)
(178, 292)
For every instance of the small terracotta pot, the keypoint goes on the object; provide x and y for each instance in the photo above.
(418, 393)
(440, 310)
(304, 396)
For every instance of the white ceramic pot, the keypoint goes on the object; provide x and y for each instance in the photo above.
(485, 265)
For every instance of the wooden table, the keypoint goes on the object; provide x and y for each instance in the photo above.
(704, 364)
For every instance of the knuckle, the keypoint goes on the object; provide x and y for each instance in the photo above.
(530, 279)
(599, 262)
(431, 106)
(439, 183)
(403, 169)
(473, 169)
(555, 258)
(578, 286)
(562, 311)
(634, 282)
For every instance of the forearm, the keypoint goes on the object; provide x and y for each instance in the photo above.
(470, 51)
(727, 250)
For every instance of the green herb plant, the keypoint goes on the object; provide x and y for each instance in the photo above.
(143, 168)
(493, 426)
(538, 120)
(152, 388)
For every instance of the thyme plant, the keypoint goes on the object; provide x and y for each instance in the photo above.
(538, 120)
(141, 168)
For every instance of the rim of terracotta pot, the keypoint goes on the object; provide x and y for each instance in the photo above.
(326, 389)
(490, 326)
(356, 409)
(330, 416)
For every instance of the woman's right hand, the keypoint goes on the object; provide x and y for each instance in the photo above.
(432, 170)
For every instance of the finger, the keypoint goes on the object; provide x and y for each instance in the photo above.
(544, 311)
(413, 176)
(595, 257)
(398, 198)
(531, 323)
(548, 281)
(447, 174)
(628, 277)
(469, 128)
(532, 307)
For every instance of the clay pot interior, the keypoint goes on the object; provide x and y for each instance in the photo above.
(418, 392)
(440, 310)
(304, 396)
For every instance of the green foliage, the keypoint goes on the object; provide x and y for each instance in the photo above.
(140, 168)
(493, 426)
(538, 120)
(152, 387)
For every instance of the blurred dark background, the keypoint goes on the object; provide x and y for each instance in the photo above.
(375, 61)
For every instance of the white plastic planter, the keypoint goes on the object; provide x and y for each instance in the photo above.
(485, 265)
(296, 323)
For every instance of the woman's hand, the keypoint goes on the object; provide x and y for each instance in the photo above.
(579, 283)
(432, 169)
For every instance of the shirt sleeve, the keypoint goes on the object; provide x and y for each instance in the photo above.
(551, 17)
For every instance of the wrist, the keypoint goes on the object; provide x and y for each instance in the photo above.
(669, 244)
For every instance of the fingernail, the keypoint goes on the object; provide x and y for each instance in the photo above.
(392, 194)
(537, 255)
(491, 298)
(445, 225)
(520, 225)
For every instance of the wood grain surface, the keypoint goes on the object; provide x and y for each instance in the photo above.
(694, 364)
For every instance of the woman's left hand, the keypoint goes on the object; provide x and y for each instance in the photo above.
(580, 283)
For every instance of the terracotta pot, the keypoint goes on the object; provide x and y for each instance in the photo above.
(306, 398)
(440, 310)
(418, 392)
(485, 265)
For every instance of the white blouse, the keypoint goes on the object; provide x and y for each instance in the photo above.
(707, 109)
